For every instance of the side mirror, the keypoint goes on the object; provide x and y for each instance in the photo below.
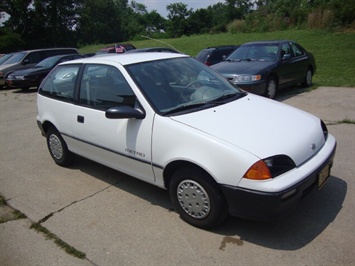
(224, 57)
(25, 62)
(125, 111)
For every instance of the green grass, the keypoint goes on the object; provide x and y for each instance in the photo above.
(69, 249)
(334, 51)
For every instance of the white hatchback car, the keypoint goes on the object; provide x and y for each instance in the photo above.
(171, 121)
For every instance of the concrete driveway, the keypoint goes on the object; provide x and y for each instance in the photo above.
(115, 219)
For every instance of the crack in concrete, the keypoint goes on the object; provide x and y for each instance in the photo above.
(76, 201)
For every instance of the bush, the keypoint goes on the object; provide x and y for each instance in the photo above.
(320, 19)
(236, 26)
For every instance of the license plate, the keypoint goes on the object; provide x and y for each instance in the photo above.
(323, 176)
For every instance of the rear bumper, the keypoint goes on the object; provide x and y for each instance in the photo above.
(259, 205)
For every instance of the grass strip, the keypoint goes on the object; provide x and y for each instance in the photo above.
(69, 249)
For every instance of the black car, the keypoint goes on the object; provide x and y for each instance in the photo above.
(32, 77)
(215, 54)
(265, 67)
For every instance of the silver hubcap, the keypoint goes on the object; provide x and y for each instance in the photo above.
(271, 89)
(309, 78)
(193, 199)
(56, 147)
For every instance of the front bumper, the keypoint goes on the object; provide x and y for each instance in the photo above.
(259, 205)
(15, 83)
(255, 88)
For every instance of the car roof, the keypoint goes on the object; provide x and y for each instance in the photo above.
(152, 49)
(267, 42)
(126, 58)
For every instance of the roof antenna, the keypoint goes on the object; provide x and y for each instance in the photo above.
(161, 42)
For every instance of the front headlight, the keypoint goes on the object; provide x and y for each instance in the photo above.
(19, 77)
(246, 78)
(270, 167)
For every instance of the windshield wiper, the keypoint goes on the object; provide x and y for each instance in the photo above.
(185, 107)
(234, 95)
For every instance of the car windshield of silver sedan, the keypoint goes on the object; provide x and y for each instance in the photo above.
(181, 85)
(255, 52)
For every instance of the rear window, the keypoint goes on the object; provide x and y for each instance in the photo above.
(203, 55)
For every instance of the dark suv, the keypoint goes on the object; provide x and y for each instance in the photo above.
(215, 54)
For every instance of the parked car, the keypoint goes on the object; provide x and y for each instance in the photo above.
(171, 121)
(215, 54)
(4, 58)
(116, 49)
(153, 49)
(32, 77)
(267, 66)
(28, 59)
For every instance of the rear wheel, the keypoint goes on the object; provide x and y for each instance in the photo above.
(270, 88)
(308, 78)
(58, 148)
(197, 198)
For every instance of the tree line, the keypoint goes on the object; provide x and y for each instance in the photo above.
(59, 23)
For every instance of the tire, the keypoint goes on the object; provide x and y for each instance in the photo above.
(270, 88)
(197, 198)
(58, 148)
(308, 78)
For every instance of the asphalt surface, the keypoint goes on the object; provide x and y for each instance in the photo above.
(117, 220)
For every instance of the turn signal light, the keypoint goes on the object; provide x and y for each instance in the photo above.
(258, 171)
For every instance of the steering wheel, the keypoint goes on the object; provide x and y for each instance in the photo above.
(194, 85)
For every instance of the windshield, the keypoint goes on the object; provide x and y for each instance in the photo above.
(181, 84)
(255, 52)
(4, 58)
(48, 62)
(15, 58)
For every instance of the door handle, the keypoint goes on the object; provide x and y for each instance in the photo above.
(80, 119)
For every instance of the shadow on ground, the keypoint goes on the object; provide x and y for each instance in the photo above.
(293, 232)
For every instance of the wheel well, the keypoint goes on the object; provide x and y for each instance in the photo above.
(275, 77)
(172, 167)
(311, 68)
(46, 125)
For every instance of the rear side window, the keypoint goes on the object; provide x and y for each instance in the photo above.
(104, 86)
(60, 83)
(298, 51)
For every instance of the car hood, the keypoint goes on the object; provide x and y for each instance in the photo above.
(261, 126)
(243, 67)
(30, 71)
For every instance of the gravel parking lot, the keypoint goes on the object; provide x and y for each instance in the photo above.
(114, 219)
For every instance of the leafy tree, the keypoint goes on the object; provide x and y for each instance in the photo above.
(178, 13)
(55, 22)
(102, 21)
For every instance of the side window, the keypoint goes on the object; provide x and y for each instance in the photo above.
(32, 58)
(60, 83)
(285, 50)
(103, 87)
(297, 50)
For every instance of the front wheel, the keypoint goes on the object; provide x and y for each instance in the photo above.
(308, 78)
(58, 148)
(197, 198)
(270, 88)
